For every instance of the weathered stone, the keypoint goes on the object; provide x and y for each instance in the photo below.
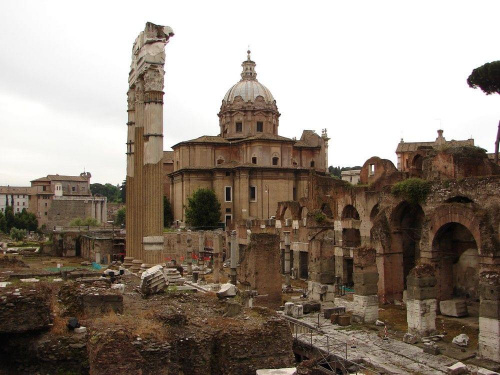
(489, 309)
(279, 371)
(457, 369)
(80, 330)
(431, 348)
(365, 278)
(288, 308)
(233, 308)
(328, 311)
(421, 293)
(226, 290)
(489, 338)
(344, 320)
(421, 316)
(366, 290)
(453, 307)
(410, 339)
(297, 311)
(366, 308)
(461, 340)
(311, 306)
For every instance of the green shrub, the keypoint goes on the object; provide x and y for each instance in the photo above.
(319, 217)
(414, 190)
(120, 216)
(79, 222)
(18, 234)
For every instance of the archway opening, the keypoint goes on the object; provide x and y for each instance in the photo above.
(407, 222)
(374, 212)
(350, 212)
(459, 262)
(459, 199)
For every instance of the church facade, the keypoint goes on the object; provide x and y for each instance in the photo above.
(249, 165)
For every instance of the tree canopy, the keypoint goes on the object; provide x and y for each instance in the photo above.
(21, 220)
(112, 192)
(486, 77)
(203, 209)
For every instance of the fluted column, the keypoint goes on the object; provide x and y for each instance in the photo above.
(130, 221)
(146, 78)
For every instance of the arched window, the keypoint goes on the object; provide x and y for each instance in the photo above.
(220, 160)
(275, 160)
(312, 164)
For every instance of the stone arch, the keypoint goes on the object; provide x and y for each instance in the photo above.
(350, 212)
(292, 207)
(458, 260)
(417, 162)
(406, 230)
(459, 199)
(453, 213)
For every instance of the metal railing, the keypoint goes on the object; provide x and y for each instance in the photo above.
(331, 353)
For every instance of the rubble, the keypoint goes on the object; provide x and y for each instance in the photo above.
(410, 339)
(458, 369)
(226, 290)
(461, 340)
(153, 280)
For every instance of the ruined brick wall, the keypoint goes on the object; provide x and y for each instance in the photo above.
(175, 244)
(61, 212)
(260, 265)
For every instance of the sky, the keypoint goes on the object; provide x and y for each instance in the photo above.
(370, 72)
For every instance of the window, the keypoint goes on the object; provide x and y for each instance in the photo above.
(24, 203)
(239, 127)
(44, 188)
(228, 219)
(45, 204)
(228, 174)
(253, 194)
(45, 213)
(228, 193)
(372, 169)
(220, 161)
(73, 188)
(275, 160)
(254, 160)
(18, 203)
(18, 210)
(312, 164)
(260, 126)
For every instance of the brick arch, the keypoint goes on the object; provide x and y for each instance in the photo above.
(349, 211)
(293, 207)
(446, 214)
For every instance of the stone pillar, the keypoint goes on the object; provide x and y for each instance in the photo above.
(489, 315)
(104, 215)
(365, 285)
(234, 255)
(130, 223)
(189, 253)
(144, 165)
(217, 256)
(287, 259)
(201, 259)
(421, 302)
(98, 212)
(92, 209)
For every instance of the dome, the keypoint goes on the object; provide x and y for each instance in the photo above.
(249, 90)
(248, 87)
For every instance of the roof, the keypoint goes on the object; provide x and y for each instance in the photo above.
(207, 139)
(15, 190)
(414, 146)
(235, 164)
(56, 177)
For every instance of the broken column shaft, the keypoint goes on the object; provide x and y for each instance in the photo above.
(421, 302)
(287, 258)
(189, 253)
(234, 255)
(365, 285)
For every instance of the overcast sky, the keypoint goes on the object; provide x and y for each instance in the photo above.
(371, 72)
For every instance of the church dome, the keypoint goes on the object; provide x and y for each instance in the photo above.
(248, 87)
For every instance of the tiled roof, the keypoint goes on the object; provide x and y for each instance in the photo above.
(15, 190)
(414, 146)
(56, 177)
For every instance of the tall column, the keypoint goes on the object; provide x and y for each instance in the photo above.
(146, 78)
(98, 211)
(104, 215)
(217, 256)
(189, 253)
(131, 215)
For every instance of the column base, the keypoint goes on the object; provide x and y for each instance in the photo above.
(365, 308)
(136, 265)
(421, 316)
(128, 262)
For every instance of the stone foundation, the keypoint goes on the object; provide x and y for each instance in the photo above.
(489, 338)
(489, 314)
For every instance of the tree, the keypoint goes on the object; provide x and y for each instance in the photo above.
(120, 216)
(18, 234)
(203, 209)
(26, 220)
(487, 78)
(9, 217)
(123, 191)
(3, 223)
(168, 216)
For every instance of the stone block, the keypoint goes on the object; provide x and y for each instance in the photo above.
(334, 319)
(297, 311)
(320, 292)
(311, 306)
(461, 340)
(233, 308)
(288, 308)
(365, 278)
(457, 369)
(226, 290)
(489, 309)
(489, 292)
(489, 338)
(431, 348)
(326, 278)
(453, 307)
(344, 320)
(421, 293)
(366, 307)
(423, 281)
(366, 290)
(328, 311)
(80, 330)
(278, 371)
(410, 339)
